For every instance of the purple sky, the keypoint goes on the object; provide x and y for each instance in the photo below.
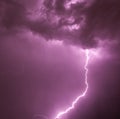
(42, 64)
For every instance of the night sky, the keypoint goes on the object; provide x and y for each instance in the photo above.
(42, 58)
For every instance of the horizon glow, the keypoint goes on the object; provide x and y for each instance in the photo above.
(60, 114)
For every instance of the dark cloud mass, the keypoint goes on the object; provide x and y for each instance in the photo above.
(11, 13)
(57, 19)
(103, 18)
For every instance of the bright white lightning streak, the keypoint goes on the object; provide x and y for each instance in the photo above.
(60, 114)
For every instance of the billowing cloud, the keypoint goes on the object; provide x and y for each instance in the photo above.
(79, 22)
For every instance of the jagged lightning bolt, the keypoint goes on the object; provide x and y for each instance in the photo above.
(60, 114)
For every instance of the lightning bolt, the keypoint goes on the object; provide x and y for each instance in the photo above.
(60, 114)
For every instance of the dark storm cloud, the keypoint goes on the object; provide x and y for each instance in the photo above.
(12, 13)
(101, 19)
(58, 5)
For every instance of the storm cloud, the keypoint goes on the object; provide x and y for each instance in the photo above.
(77, 22)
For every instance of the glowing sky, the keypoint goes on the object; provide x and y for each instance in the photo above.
(62, 113)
